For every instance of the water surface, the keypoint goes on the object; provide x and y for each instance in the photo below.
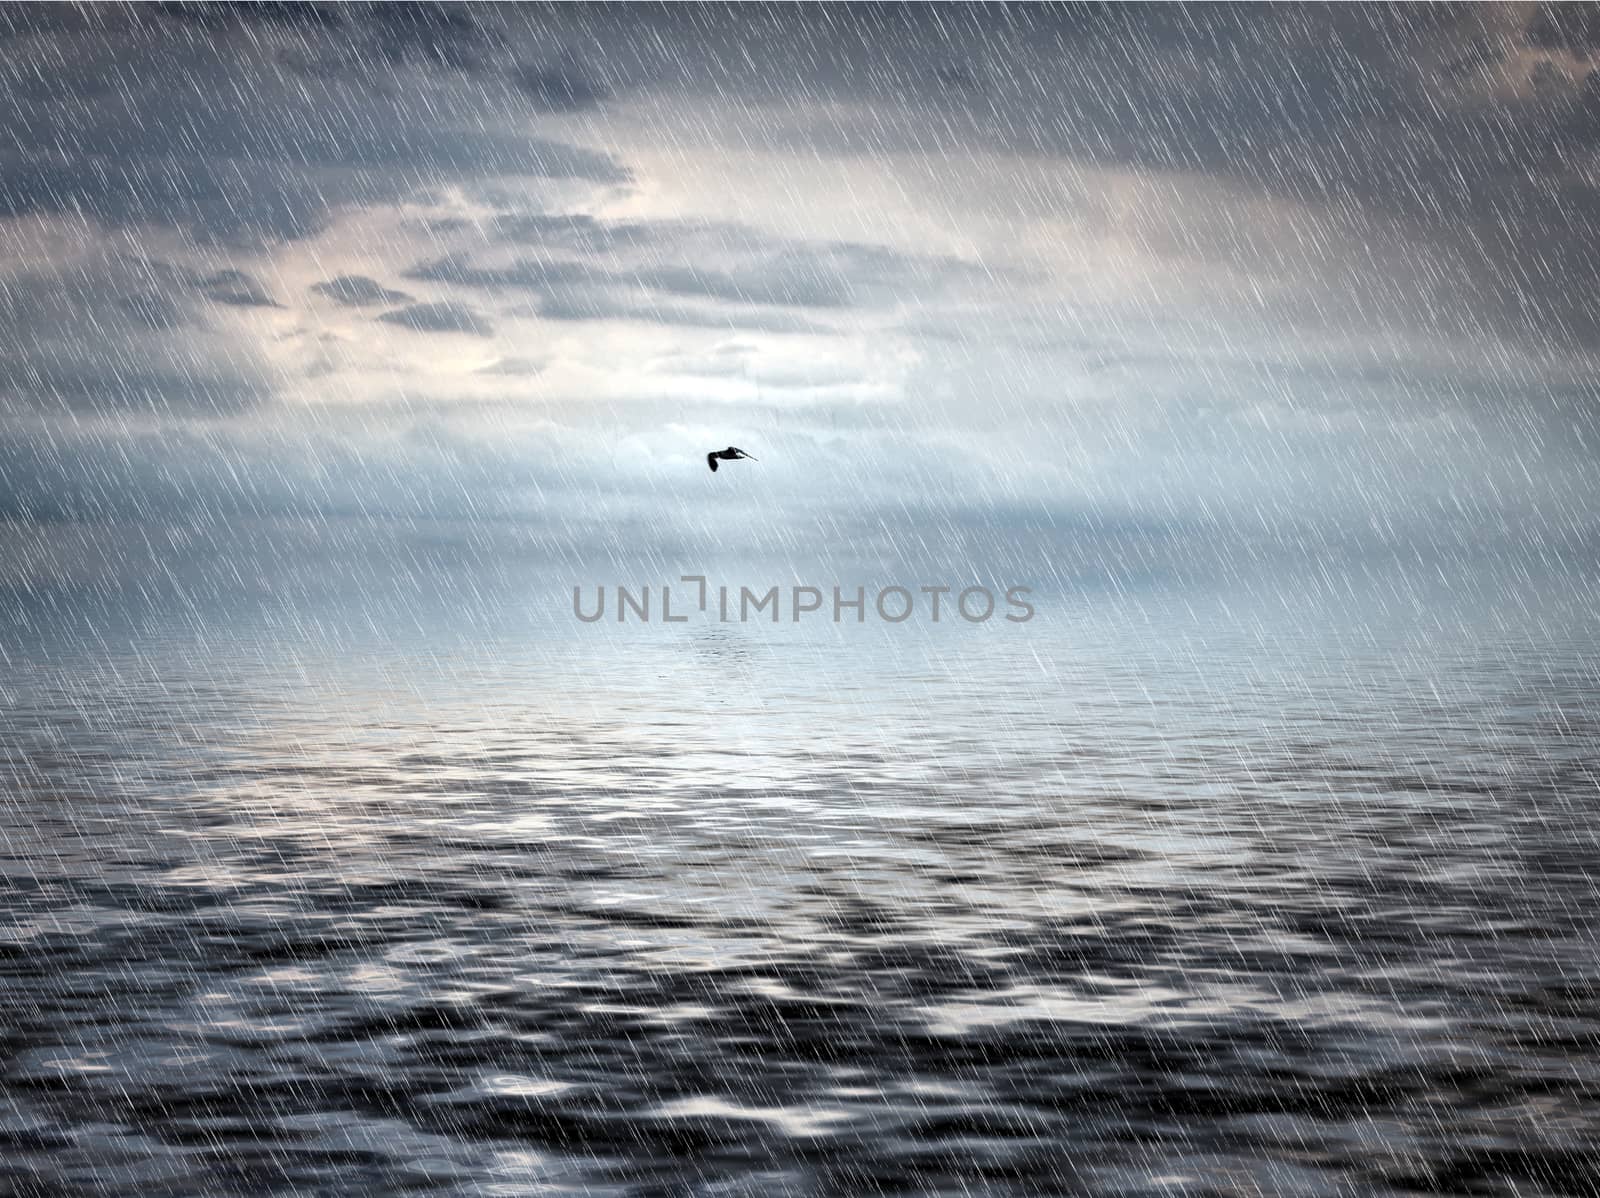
(1141, 898)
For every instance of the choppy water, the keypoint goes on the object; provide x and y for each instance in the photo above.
(1128, 903)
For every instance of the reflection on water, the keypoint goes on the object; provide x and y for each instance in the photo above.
(1106, 905)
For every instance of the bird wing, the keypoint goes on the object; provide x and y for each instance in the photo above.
(711, 460)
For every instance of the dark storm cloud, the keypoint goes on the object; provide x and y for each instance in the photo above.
(238, 289)
(821, 275)
(439, 318)
(357, 291)
(207, 477)
(1566, 26)
(119, 334)
(107, 385)
(154, 312)
(1456, 132)
(1399, 109)
(532, 274)
(552, 278)
(219, 14)
(582, 233)
(399, 32)
(1441, 116)
(226, 144)
(22, 20)
(559, 87)
(276, 186)
(442, 34)
(1342, 106)
(775, 283)
(593, 303)
(732, 275)
(570, 290)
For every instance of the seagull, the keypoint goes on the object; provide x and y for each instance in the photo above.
(729, 454)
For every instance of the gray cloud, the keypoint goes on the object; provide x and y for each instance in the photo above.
(582, 233)
(267, 155)
(219, 14)
(1432, 168)
(118, 334)
(439, 318)
(559, 87)
(274, 189)
(154, 312)
(821, 275)
(439, 34)
(514, 368)
(1565, 26)
(755, 273)
(238, 289)
(532, 274)
(104, 384)
(1472, 125)
(357, 291)
(597, 303)
(1398, 109)
(571, 290)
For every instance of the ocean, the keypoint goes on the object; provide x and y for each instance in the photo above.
(1156, 894)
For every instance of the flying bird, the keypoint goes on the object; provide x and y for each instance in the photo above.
(729, 454)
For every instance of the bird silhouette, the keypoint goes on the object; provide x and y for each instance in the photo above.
(729, 454)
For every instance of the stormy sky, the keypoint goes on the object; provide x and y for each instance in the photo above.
(1068, 283)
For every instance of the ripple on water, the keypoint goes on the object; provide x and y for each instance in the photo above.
(1182, 927)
